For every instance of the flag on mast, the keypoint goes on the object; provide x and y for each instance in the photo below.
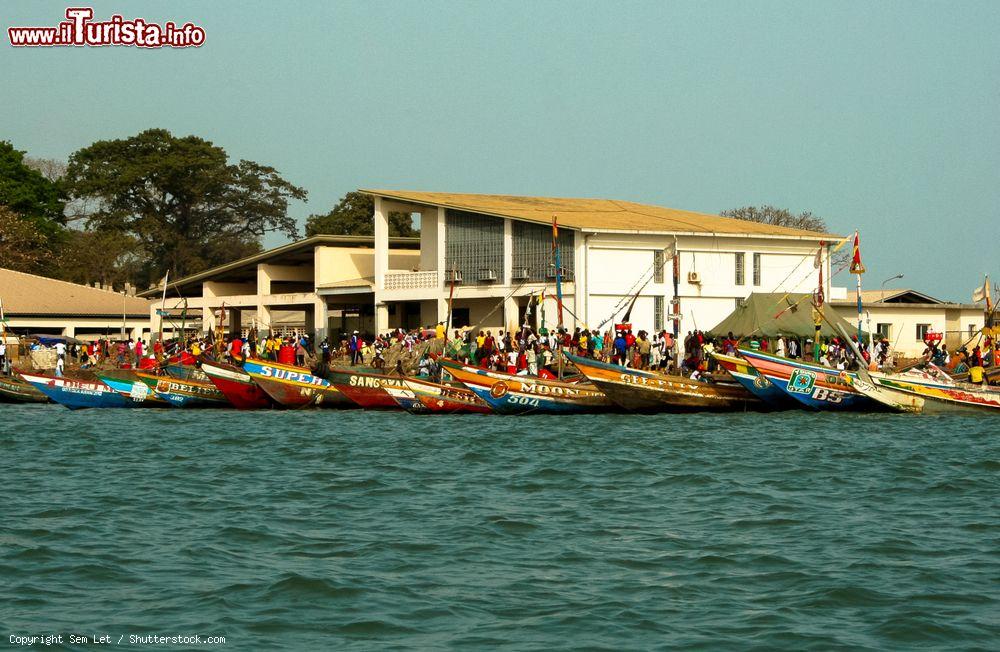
(982, 293)
(858, 268)
(555, 248)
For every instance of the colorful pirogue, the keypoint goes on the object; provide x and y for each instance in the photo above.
(17, 390)
(236, 385)
(513, 394)
(815, 386)
(648, 391)
(294, 387)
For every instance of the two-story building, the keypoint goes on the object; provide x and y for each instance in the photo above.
(491, 254)
(490, 257)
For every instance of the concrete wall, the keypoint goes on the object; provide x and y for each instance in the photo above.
(903, 319)
(335, 264)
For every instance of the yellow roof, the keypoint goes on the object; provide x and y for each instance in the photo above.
(597, 214)
(28, 294)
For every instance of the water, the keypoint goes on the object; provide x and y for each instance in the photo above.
(353, 530)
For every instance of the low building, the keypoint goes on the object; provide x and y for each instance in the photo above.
(320, 285)
(905, 317)
(39, 305)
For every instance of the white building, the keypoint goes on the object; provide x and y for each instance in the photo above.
(500, 249)
(905, 317)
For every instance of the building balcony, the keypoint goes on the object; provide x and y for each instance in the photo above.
(396, 280)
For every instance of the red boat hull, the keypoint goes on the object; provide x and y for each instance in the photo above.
(442, 405)
(364, 389)
(243, 395)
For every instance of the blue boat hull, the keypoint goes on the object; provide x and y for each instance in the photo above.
(78, 395)
(517, 403)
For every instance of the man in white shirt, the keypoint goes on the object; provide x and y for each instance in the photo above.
(3, 356)
(61, 350)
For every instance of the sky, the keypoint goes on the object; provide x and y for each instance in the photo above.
(880, 116)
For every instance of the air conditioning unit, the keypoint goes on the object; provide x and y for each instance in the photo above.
(453, 276)
(519, 273)
(487, 275)
(694, 278)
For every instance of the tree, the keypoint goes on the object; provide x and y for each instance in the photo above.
(778, 217)
(353, 215)
(103, 256)
(29, 194)
(22, 245)
(187, 207)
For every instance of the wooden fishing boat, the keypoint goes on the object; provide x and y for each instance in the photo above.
(127, 383)
(745, 374)
(441, 398)
(79, 394)
(404, 397)
(512, 394)
(15, 390)
(185, 393)
(815, 386)
(294, 387)
(889, 398)
(649, 391)
(186, 372)
(937, 396)
(237, 386)
(366, 389)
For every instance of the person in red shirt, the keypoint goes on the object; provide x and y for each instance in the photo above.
(236, 348)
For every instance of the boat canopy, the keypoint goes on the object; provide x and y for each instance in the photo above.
(775, 314)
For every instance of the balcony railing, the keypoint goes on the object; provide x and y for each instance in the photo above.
(411, 280)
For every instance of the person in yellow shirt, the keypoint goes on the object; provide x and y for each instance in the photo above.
(976, 375)
(439, 330)
(196, 349)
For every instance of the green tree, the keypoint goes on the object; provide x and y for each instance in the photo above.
(778, 217)
(185, 204)
(104, 256)
(26, 192)
(353, 215)
(22, 245)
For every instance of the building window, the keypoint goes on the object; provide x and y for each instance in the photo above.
(740, 277)
(740, 302)
(658, 262)
(473, 245)
(882, 330)
(922, 330)
(531, 254)
(658, 313)
(756, 269)
(972, 330)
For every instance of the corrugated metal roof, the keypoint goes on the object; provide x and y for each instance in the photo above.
(597, 214)
(28, 294)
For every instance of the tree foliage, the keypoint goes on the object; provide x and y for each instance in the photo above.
(22, 245)
(353, 215)
(778, 217)
(181, 200)
(102, 256)
(27, 192)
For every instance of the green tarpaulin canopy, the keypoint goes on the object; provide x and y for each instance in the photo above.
(772, 315)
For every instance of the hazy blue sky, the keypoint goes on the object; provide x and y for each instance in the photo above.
(880, 116)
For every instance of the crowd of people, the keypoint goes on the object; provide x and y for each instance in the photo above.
(527, 350)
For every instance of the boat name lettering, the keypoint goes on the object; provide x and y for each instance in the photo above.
(365, 381)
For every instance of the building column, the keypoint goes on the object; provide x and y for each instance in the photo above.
(263, 319)
(381, 317)
(381, 244)
(69, 331)
(207, 319)
(321, 320)
(155, 322)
